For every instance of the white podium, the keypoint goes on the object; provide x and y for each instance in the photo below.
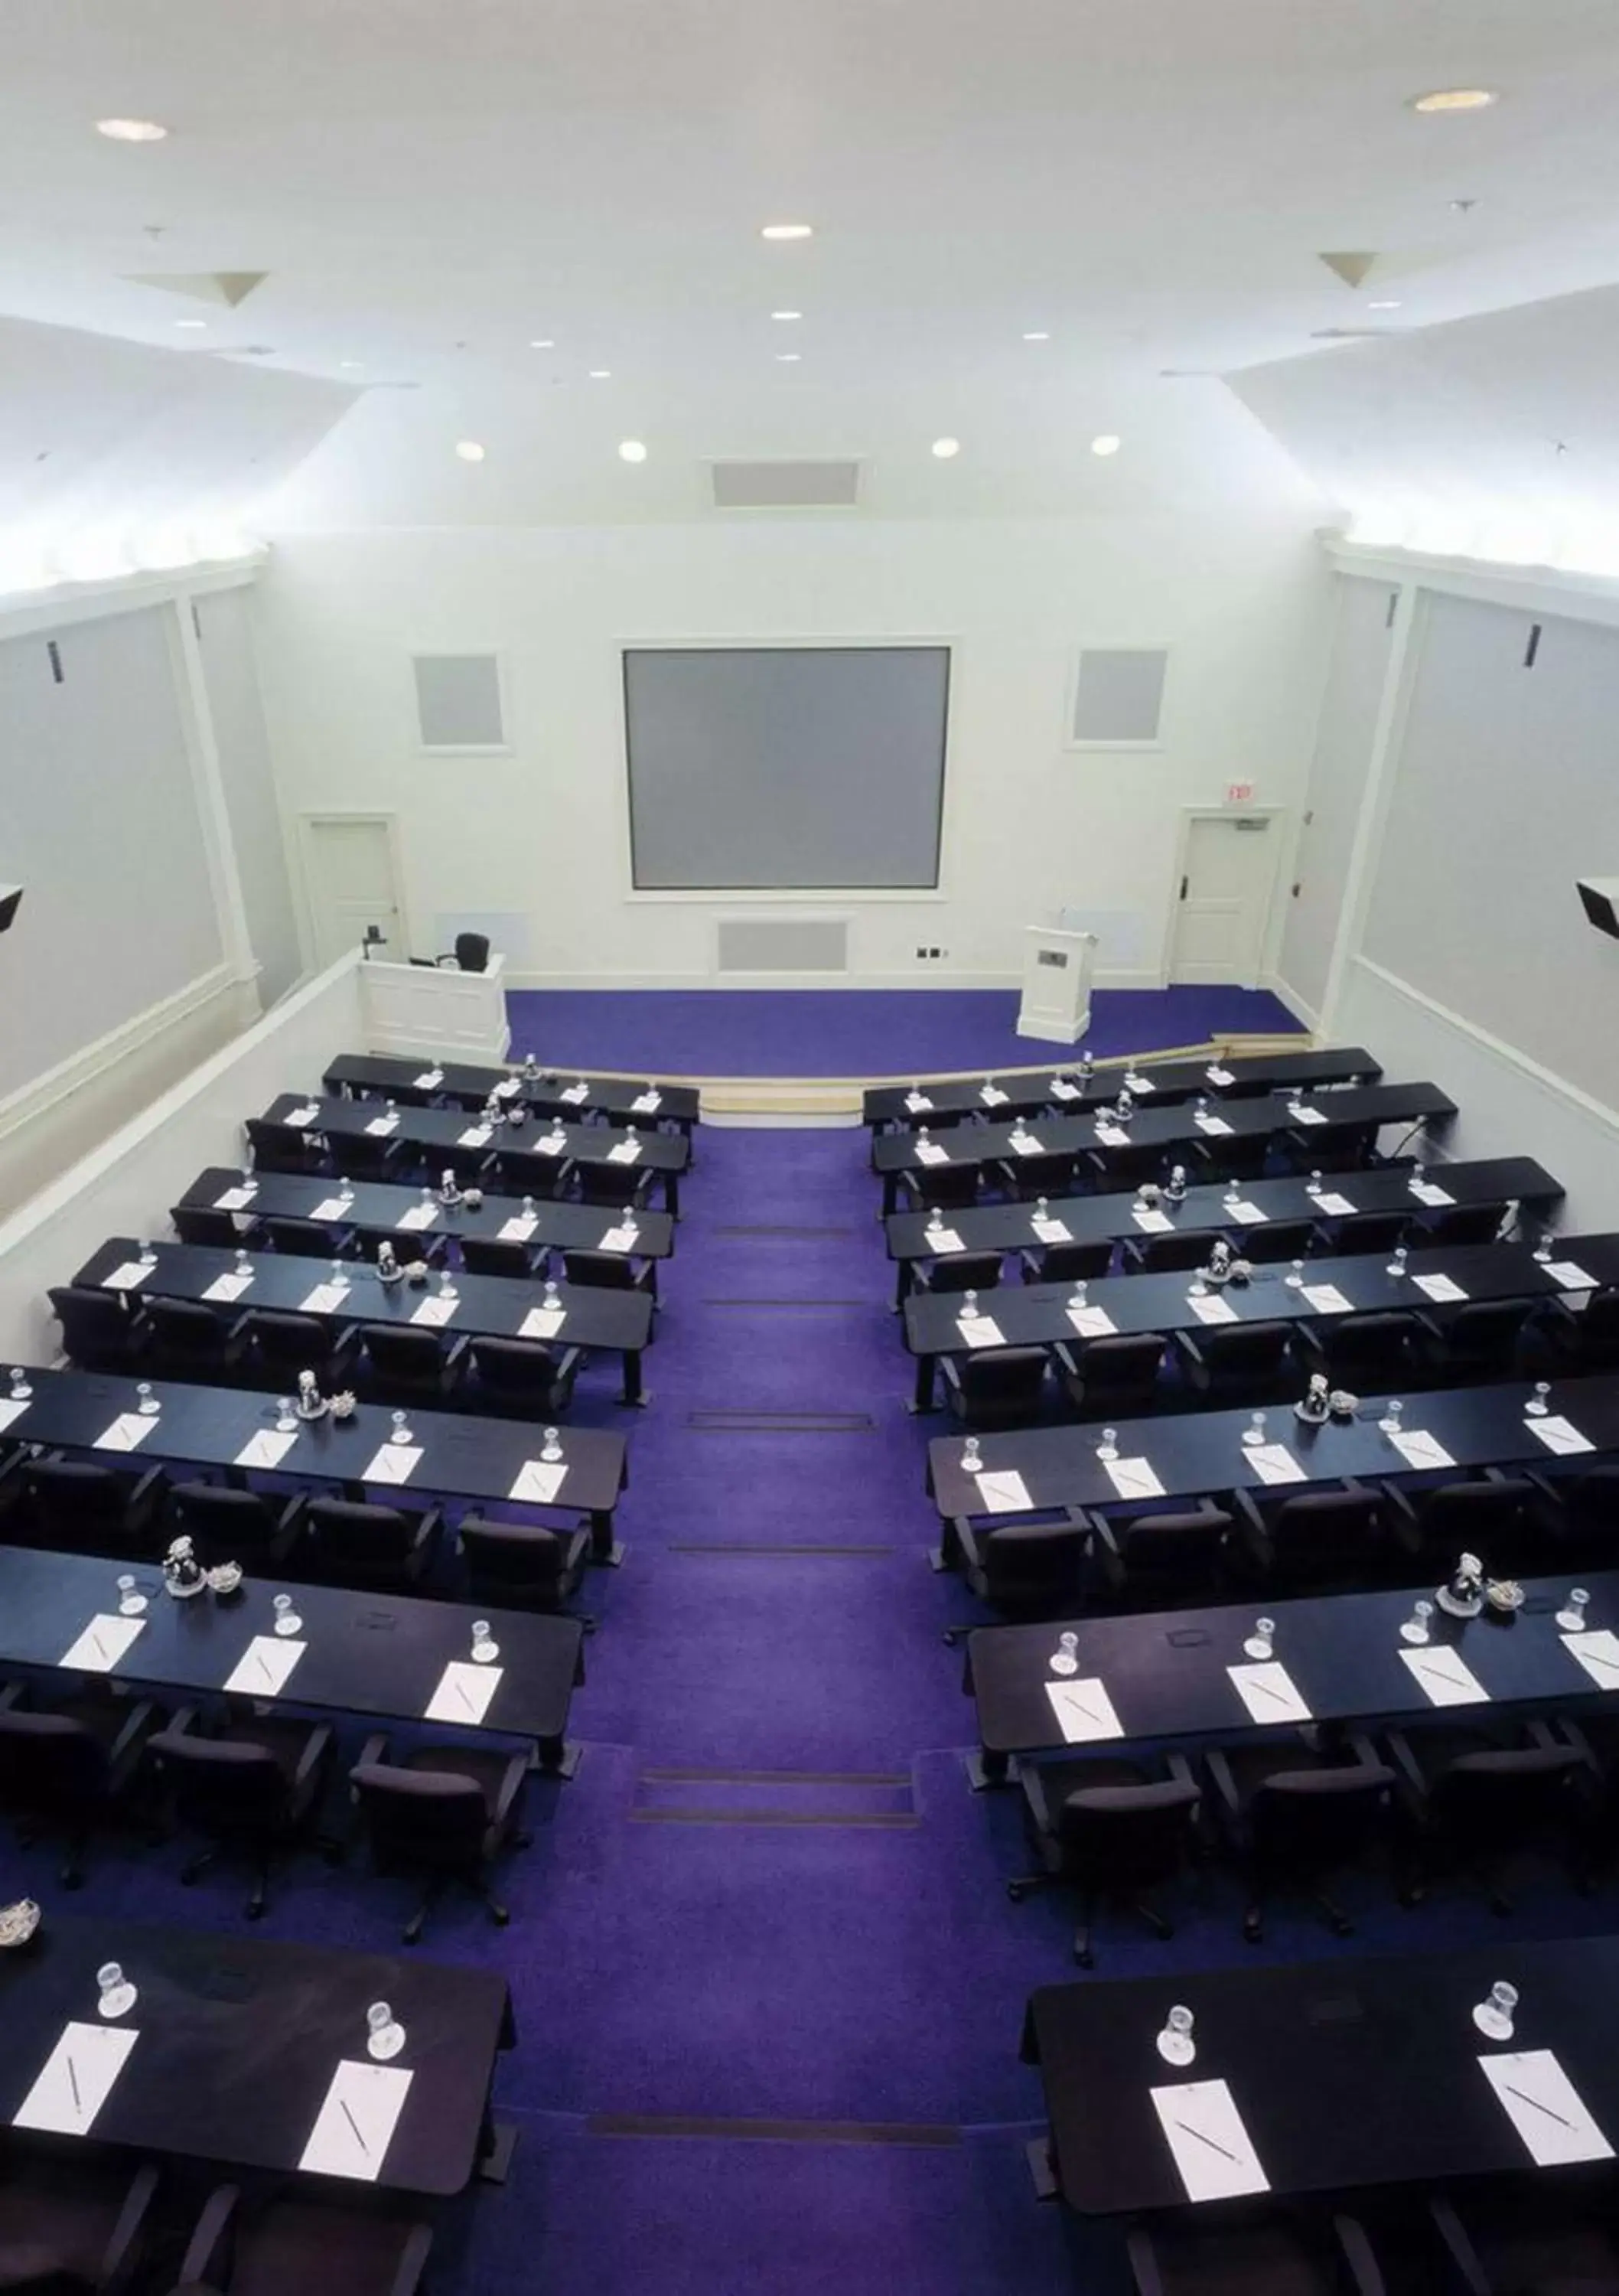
(1057, 968)
(420, 1008)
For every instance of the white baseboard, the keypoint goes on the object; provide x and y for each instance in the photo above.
(1009, 983)
(1291, 998)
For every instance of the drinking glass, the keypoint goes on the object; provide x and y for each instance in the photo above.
(1107, 1449)
(1494, 2016)
(1571, 1618)
(1261, 1642)
(1176, 2045)
(1416, 1627)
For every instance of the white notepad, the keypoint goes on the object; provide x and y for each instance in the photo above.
(1112, 1136)
(1439, 1287)
(1418, 1448)
(943, 1239)
(1003, 1492)
(508, 1088)
(575, 1094)
(1133, 1478)
(1139, 1086)
(128, 1432)
(1214, 1126)
(394, 1462)
(928, 1152)
(1570, 1274)
(1273, 1462)
(1245, 1214)
(475, 1136)
(1212, 2149)
(430, 1079)
(1092, 1322)
(435, 1312)
(308, 1113)
(980, 1330)
(235, 1199)
(1445, 1679)
(1061, 1089)
(9, 1410)
(1024, 1143)
(991, 1095)
(101, 1644)
(267, 1449)
(325, 1299)
(552, 1144)
(1269, 1691)
(1558, 1435)
(542, 1323)
(465, 1693)
(1211, 1308)
(1053, 1231)
(419, 1216)
(619, 1239)
(538, 1481)
(77, 2078)
(1152, 1221)
(627, 1152)
(227, 1288)
(1335, 1206)
(1326, 1298)
(379, 1127)
(1598, 1653)
(1084, 1710)
(1302, 1114)
(1545, 2108)
(1429, 1192)
(262, 1669)
(127, 1275)
(332, 1207)
(918, 1103)
(646, 1104)
(519, 1228)
(355, 2123)
(1220, 1076)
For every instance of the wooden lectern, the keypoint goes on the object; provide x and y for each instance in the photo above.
(1057, 968)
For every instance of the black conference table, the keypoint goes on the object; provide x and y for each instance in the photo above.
(238, 2039)
(665, 1154)
(1197, 1454)
(1037, 1315)
(459, 1456)
(378, 1207)
(1346, 2074)
(363, 1653)
(1164, 1672)
(1024, 1090)
(551, 1090)
(486, 1307)
(1184, 1127)
(1099, 1219)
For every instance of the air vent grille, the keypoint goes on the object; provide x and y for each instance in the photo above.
(786, 485)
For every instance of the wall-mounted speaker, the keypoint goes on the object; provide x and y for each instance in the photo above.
(1600, 899)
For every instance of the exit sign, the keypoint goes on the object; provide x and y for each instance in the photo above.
(1240, 793)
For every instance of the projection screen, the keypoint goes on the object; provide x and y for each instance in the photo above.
(778, 768)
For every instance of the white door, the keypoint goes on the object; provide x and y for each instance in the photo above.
(1224, 899)
(350, 861)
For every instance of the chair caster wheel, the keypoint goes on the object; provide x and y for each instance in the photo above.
(1016, 1891)
(1084, 1955)
(1253, 1929)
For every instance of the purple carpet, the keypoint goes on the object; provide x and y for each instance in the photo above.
(768, 1903)
(853, 1032)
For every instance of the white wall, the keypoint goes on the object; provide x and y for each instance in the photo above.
(536, 842)
(230, 669)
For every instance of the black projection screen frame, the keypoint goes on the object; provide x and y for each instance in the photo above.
(930, 658)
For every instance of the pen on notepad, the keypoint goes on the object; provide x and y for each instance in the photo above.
(1265, 1690)
(78, 2103)
(354, 2125)
(466, 1701)
(1524, 2095)
(1209, 2141)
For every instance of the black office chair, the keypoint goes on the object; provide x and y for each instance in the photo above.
(1459, 1223)
(1025, 1570)
(277, 1346)
(519, 1566)
(1114, 1169)
(374, 1156)
(1068, 1262)
(1310, 1543)
(1026, 1179)
(443, 1812)
(101, 1331)
(1112, 1378)
(84, 1508)
(201, 1224)
(1513, 2238)
(353, 1543)
(73, 2224)
(190, 1340)
(1116, 1828)
(951, 1187)
(1232, 1364)
(1477, 1793)
(304, 1239)
(472, 951)
(482, 1255)
(1266, 1245)
(1364, 1232)
(994, 1387)
(1243, 1157)
(231, 1526)
(610, 1271)
(399, 1364)
(547, 1178)
(1577, 1517)
(958, 1271)
(282, 2243)
(285, 1147)
(1479, 1341)
(1276, 2253)
(1588, 1341)
(518, 1379)
(1148, 1562)
(474, 1168)
(64, 1768)
(1492, 1516)
(1296, 1814)
(253, 1786)
(1162, 1255)
(1371, 1354)
(1330, 1147)
(615, 1186)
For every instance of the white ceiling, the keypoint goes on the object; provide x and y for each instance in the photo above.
(431, 185)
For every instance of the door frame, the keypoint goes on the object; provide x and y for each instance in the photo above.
(331, 816)
(1189, 816)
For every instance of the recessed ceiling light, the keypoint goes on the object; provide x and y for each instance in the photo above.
(542, 343)
(191, 322)
(788, 359)
(946, 449)
(787, 314)
(131, 131)
(601, 374)
(469, 450)
(1038, 335)
(1386, 304)
(351, 363)
(1107, 444)
(1455, 99)
(632, 450)
(787, 231)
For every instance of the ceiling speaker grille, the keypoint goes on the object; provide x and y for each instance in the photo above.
(786, 485)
